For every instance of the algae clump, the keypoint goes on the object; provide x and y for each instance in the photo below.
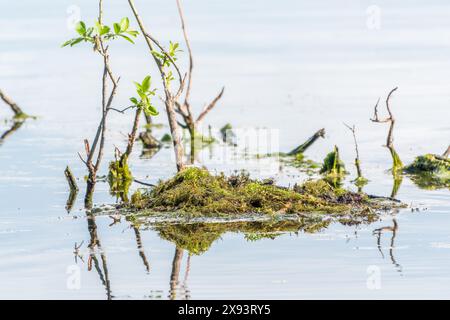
(196, 191)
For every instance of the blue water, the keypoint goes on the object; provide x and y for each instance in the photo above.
(290, 66)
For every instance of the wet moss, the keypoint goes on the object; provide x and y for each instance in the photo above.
(430, 171)
(196, 192)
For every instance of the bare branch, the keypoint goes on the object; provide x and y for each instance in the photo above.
(357, 160)
(188, 45)
(121, 111)
(132, 135)
(210, 106)
(14, 107)
(387, 103)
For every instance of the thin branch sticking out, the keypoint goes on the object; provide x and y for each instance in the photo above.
(14, 107)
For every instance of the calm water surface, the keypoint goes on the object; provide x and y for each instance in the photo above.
(291, 66)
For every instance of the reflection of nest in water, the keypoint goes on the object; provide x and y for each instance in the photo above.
(197, 235)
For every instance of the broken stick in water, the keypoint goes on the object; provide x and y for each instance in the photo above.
(302, 148)
(71, 179)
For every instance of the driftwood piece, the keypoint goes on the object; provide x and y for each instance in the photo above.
(302, 148)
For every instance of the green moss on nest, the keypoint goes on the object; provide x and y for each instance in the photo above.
(430, 171)
(196, 191)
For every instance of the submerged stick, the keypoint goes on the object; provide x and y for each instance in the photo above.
(71, 179)
(14, 107)
(302, 148)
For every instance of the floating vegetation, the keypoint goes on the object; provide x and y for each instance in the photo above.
(300, 162)
(195, 191)
(430, 171)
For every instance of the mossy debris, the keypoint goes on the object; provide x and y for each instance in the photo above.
(430, 171)
(195, 191)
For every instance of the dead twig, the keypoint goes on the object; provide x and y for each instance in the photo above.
(357, 160)
(397, 163)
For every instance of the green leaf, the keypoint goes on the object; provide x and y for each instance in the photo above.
(134, 101)
(89, 32)
(65, 44)
(76, 41)
(146, 83)
(126, 38)
(117, 28)
(142, 95)
(80, 27)
(138, 86)
(105, 30)
(132, 33)
(124, 24)
(151, 111)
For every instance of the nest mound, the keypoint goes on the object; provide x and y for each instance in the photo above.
(196, 191)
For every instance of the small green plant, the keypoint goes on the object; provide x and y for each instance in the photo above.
(166, 58)
(145, 93)
(91, 34)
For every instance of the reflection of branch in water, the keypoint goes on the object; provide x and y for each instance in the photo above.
(398, 179)
(15, 126)
(71, 200)
(141, 248)
(95, 242)
(76, 252)
(174, 276)
(187, 293)
(392, 229)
